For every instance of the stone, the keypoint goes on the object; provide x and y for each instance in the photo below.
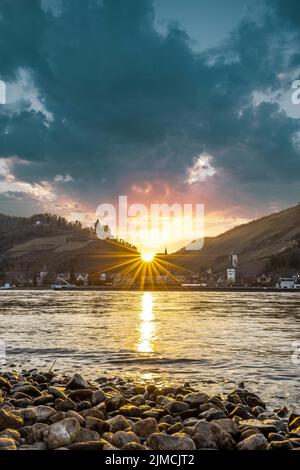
(57, 392)
(7, 443)
(74, 414)
(175, 428)
(145, 427)
(30, 390)
(134, 446)
(29, 415)
(120, 438)
(80, 395)
(130, 410)
(34, 433)
(34, 446)
(240, 412)
(77, 382)
(254, 442)
(196, 399)
(93, 413)
(281, 445)
(98, 397)
(176, 406)
(295, 432)
(212, 414)
(88, 445)
(4, 384)
(13, 433)
(65, 405)
(43, 399)
(274, 436)
(62, 433)
(174, 442)
(266, 426)
(10, 420)
(44, 413)
(212, 436)
(138, 400)
(295, 423)
(58, 416)
(87, 435)
(96, 424)
(228, 426)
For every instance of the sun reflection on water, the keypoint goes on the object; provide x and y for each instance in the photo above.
(147, 325)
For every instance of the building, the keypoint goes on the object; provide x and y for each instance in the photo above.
(289, 282)
(233, 260)
(231, 276)
(264, 280)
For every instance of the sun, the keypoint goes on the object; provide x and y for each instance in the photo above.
(147, 257)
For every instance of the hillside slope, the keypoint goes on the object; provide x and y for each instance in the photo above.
(27, 244)
(258, 244)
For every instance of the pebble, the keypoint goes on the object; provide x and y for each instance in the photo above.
(175, 442)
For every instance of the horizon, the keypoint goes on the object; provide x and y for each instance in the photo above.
(190, 107)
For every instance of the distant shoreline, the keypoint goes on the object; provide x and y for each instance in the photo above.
(156, 289)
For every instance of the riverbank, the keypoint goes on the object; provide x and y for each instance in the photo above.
(42, 411)
(149, 288)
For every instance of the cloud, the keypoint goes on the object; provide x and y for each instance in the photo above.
(98, 93)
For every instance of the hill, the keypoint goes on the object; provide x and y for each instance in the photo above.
(270, 243)
(27, 244)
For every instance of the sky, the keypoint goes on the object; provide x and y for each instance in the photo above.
(165, 101)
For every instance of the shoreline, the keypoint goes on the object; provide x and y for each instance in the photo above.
(40, 410)
(154, 289)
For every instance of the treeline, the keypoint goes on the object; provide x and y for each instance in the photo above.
(14, 230)
(289, 259)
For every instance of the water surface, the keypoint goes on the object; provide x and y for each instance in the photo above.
(213, 340)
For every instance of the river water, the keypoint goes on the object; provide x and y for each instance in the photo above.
(213, 340)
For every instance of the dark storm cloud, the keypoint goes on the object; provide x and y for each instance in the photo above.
(127, 103)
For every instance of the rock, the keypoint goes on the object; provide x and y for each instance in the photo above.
(145, 427)
(77, 382)
(295, 423)
(282, 412)
(175, 428)
(212, 436)
(166, 442)
(255, 442)
(43, 399)
(34, 446)
(134, 446)
(240, 412)
(257, 410)
(93, 413)
(34, 433)
(213, 414)
(96, 424)
(57, 392)
(62, 433)
(29, 415)
(274, 436)
(80, 395)
(65, 405)
(176, 406)
(120, 438)
(58, 416)
(9, 420)
(87, 435)
(130, 410)
(266, 426)
(4, 384)
(228, 426)
(281, 445)
(98, 397)
(13, 433)
(295, 432)
(196, 399)
(44, 413)
(30, 390)
(137, 400)
(89, 445)
(7, 443)
(74, 414)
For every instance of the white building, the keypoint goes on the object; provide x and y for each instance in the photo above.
(289, 283)
(234, 260)
(231, 275)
